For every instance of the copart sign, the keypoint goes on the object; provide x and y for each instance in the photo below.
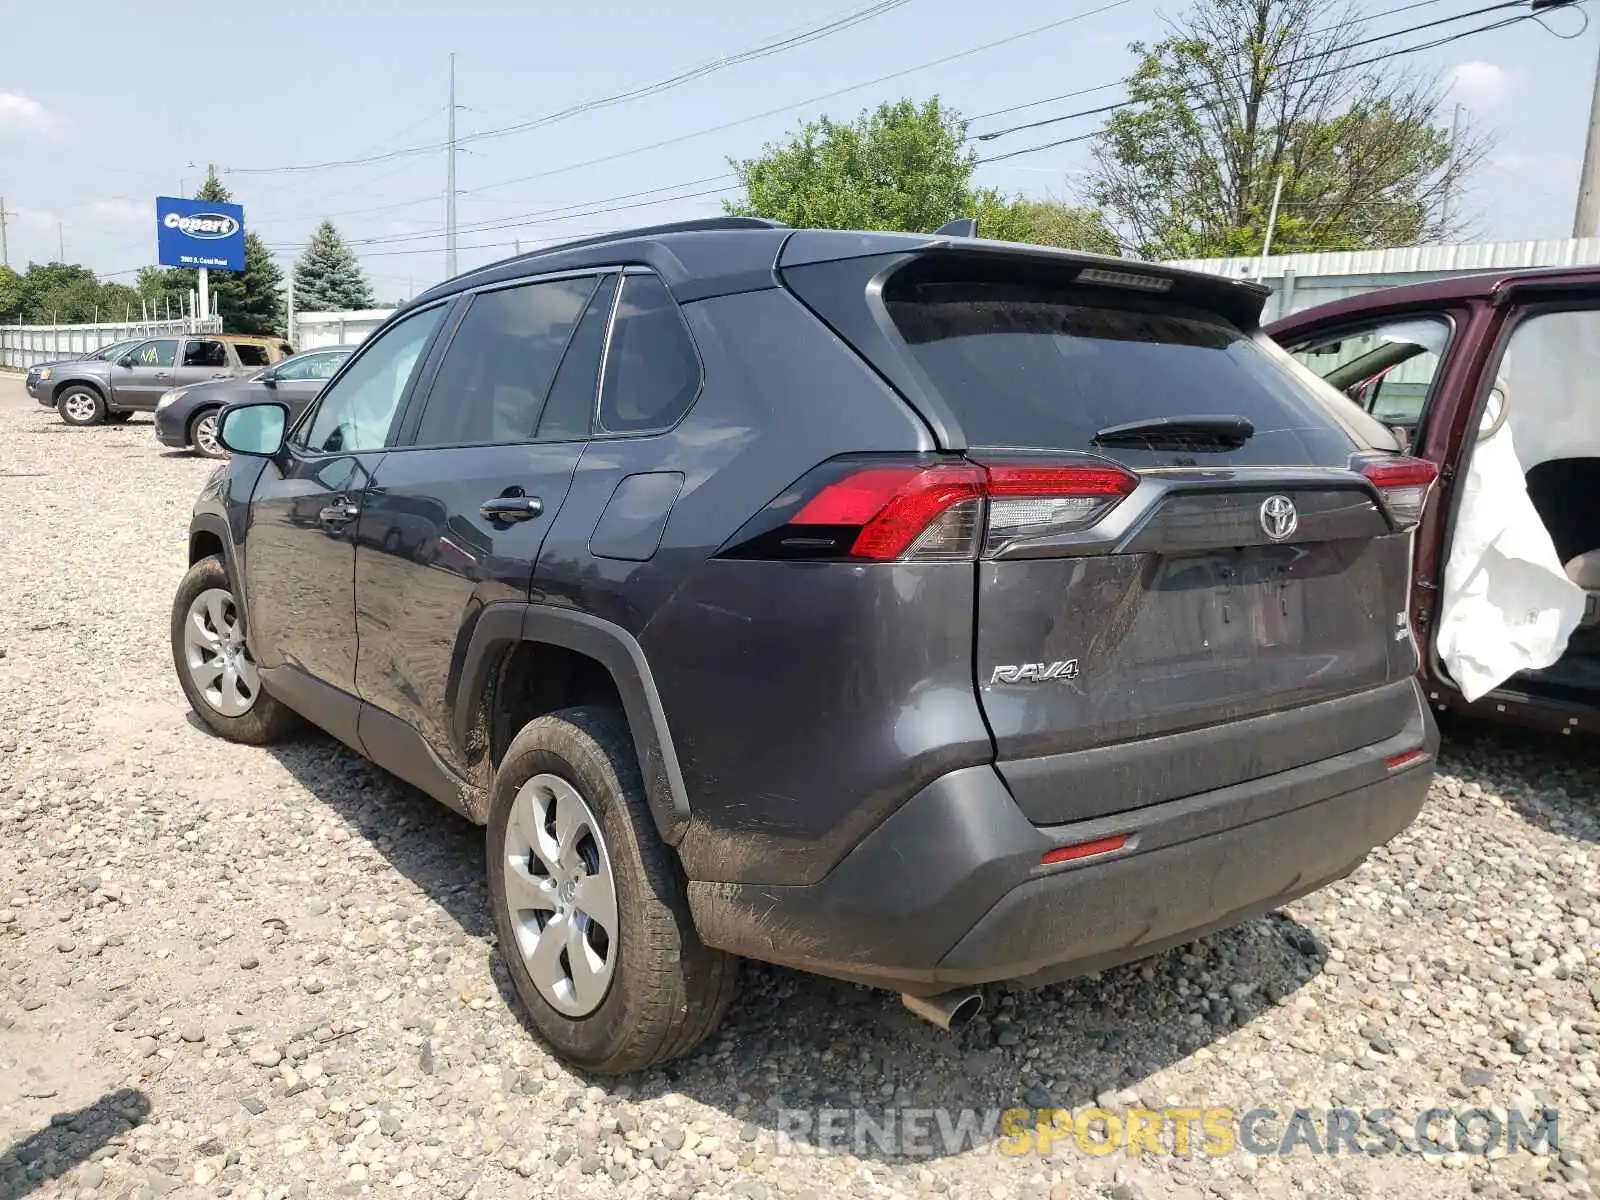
(199, 233)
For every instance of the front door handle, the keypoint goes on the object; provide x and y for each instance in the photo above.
(341, 513)
(511, 508)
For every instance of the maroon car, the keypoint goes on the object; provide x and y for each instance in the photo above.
(1494, 377)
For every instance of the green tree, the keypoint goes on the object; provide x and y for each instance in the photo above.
(1042, 222)
(1242, 92)
(902, 166)
(327, 277)
(11, 294)
(254, 300)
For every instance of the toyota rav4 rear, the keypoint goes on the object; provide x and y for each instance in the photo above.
(1168, 570)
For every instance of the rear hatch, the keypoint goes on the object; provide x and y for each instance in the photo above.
(1179, 539)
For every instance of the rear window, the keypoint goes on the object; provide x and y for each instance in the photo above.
(251, 355)
(1029, 364)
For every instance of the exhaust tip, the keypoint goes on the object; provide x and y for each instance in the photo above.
(949, 1010)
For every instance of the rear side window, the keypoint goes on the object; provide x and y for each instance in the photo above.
(652, 373)
(1029, 364)
(569, 412)
(493, 379)
(251, 355)
(204, 353)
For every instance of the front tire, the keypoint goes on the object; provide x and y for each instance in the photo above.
(119, 418)
(203, 435)
(590, 906)
(215, 668)
(81, 405)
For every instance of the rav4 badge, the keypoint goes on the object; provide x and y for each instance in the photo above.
(1035, 672)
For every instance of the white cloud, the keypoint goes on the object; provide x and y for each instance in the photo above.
(118, 212)
(18, 114)
(1480, 85)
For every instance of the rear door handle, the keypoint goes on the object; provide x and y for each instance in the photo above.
(339, 514)
(511, 508)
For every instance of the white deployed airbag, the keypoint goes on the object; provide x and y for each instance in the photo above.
(1508, 605)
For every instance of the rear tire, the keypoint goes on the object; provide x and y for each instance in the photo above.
(651, 990)
(81, 405)
(215, 669)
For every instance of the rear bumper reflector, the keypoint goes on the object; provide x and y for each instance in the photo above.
(1063, 854)
(1399, 762)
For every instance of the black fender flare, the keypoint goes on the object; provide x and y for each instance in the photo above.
(89, 381)
(501, 626)
(217, 526)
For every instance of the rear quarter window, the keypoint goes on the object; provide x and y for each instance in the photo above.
(1037, 365)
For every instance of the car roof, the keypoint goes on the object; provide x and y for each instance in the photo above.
(1493, 285)
(719, 256)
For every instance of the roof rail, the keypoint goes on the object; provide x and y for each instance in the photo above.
(697, 225)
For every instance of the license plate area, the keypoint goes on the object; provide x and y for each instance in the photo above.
(1227, 603)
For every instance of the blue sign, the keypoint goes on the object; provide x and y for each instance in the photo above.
(199, 233)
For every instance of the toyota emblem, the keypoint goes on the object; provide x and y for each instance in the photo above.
(1279, 519)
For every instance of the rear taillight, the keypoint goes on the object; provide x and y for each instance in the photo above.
(929, 509)
(1403, 483)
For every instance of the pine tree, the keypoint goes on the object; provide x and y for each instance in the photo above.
(328, 278)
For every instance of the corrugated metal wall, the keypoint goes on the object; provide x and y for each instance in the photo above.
(1302, 281)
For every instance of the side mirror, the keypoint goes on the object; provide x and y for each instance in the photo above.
(269, 379)
(125, 361)
(254, 429)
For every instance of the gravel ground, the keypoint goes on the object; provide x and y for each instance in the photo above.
(269, 973)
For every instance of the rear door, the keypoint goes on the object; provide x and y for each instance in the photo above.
(202, 360)
(1183, 580)
(456, 515)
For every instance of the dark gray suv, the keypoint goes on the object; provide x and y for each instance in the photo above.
(913, 609)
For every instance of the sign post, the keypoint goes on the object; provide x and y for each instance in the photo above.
(202, 234)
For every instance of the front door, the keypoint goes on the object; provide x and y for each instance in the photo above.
(140, 384)
(454, 519)
(300, 563)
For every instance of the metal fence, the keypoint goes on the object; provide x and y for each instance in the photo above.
(23, 345)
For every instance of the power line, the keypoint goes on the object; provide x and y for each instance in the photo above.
(810, 100)
(1437, 42)
(1293, 62)
(700, 71)
(1102, 87)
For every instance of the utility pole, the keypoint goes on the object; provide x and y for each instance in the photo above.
(516, 244)
(1272, 223)
(5, 254)
(61, 243)
(1586, 221)
(1446, 201)
(288, 307)
(450, 183)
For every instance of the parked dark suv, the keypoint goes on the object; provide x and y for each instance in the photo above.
(912, 609)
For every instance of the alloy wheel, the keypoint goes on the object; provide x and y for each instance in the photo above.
(215, 652)
(561, 894)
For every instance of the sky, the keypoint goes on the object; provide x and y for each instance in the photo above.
(103, 108)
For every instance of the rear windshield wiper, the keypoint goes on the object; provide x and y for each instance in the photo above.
(1221, 432)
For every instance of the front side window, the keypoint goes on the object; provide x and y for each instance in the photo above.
(493, 379)
(356, 413)
(159, 353)
(1387, 367)
(311, 366)
(652, 374)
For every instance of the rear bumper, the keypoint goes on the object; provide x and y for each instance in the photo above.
(949, 891)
